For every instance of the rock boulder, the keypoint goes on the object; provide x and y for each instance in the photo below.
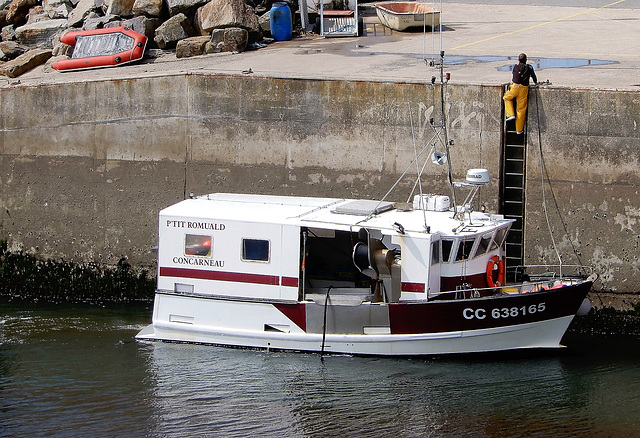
(8, 33)
(36, 14)
(173, 30)
(185, 6)
(11, 50)
(98, 22)
(40, 34)
(147, 8)
(192, 46)
(25, 62)
(143, 25)
(219, 14)
(232, 39)
(3, 18)
(57, 8)
(18, 10)
(81, 11)
(123, 8)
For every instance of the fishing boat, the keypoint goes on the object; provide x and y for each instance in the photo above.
(102, 48)
(404, 15)
(354, 276)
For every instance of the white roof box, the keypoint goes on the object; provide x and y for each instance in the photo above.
(477, 176)
(431, 202)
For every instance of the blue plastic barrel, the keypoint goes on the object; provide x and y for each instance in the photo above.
(280, 22)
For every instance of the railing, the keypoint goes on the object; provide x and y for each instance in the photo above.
(536, 284)
(548, 272)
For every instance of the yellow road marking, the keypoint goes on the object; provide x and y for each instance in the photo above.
(588, 11)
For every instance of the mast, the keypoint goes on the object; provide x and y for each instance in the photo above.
(443, 121)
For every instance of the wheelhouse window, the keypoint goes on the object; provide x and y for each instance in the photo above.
(197, 245)
(255, 250)
(446, 249)
(484, 243)
(435, 253)
(464, 249)
(500, 236)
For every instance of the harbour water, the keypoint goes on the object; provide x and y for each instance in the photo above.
(71, 372)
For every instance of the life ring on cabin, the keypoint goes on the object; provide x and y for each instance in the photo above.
(495, 263)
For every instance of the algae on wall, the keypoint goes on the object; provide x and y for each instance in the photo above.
(84, 176)
(26, 278)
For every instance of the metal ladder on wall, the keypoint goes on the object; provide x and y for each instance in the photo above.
(512, 190)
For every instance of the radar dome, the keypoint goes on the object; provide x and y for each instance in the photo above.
(477, 176)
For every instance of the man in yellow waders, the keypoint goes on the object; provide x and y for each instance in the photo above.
(520, 91)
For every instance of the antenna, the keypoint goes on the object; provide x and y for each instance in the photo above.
(437, 157)
(443, 117)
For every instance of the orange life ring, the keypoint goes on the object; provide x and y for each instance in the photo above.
(494, 262)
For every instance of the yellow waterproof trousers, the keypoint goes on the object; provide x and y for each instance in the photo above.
(520, 93)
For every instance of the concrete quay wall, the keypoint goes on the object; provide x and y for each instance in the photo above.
(86, 166)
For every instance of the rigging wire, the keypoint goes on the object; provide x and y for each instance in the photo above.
(544, 171)
(424, 165)
(436, 135)
(443, 117)
(433, 33)
(418, 176)
(443, 121)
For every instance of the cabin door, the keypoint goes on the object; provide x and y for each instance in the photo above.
(434, 265)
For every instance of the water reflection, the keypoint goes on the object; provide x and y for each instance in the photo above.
(69, 375)
(78, 372)
(207, 390)
(350, 49)
(544, 63)
(538, 63)
(298, 395)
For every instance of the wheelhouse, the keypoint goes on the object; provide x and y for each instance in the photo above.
(291, 248)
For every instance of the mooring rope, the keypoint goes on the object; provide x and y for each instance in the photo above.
(324, 323)
(544, 171)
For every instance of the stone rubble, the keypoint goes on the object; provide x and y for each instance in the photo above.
(25, 62)
(30, 30)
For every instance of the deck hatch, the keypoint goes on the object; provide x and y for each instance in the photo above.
(363, 207)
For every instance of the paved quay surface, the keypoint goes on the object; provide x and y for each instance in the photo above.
(599, 39)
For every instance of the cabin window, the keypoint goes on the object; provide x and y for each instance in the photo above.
(197, 245)
(464, 250)
(446, 249)
(435, 253)
(500, 236)
(484, 243)
(255, 250)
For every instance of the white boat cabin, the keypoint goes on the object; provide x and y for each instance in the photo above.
(288, 249)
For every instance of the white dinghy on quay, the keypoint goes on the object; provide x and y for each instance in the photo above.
(351, 276)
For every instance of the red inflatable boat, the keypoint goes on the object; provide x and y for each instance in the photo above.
(102, 48)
